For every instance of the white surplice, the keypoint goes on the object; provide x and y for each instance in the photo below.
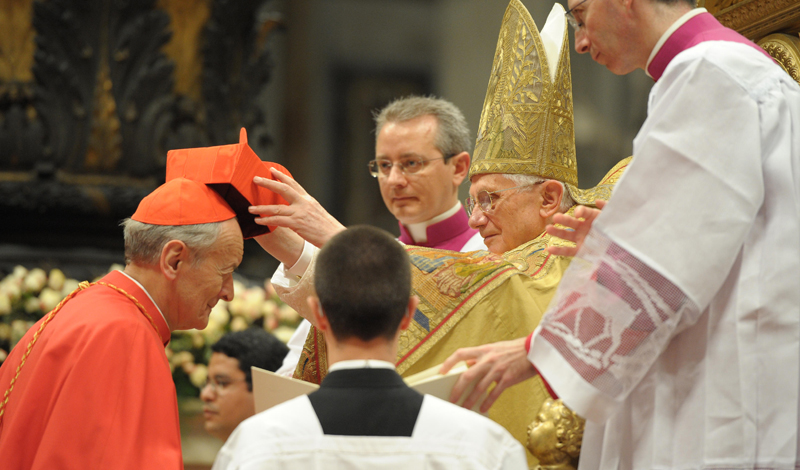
(676, 329)
(445, 436)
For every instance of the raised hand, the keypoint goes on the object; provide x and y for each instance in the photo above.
(504, 363)
(304, 215)
(580, 225)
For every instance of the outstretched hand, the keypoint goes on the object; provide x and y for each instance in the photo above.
(304, 215)
(580, 225)
(505, 363)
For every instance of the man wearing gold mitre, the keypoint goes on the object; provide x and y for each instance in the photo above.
(524, 172)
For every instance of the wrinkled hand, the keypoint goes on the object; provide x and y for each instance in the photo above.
(580, 225)
(505, 363)
(304, 215)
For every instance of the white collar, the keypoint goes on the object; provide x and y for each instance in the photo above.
(419, 232)
(677, 24)
(361, 364)
(148, 296)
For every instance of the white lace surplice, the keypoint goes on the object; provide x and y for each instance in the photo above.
(676, 330)
(289, 437)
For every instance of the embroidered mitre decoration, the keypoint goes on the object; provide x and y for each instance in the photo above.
(526, 124)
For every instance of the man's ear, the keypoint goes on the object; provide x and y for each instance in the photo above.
(552, 192)
(413, 301)
(174, 256)
(461, 164)
(319, 320)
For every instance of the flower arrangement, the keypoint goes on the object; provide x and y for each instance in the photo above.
(28, 295)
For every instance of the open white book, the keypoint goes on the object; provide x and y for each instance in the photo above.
(270, 389)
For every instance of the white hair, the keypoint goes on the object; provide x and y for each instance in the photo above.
(144, 242)
(520, 180)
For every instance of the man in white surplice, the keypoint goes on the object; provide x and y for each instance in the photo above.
(676, 329)
(364, 415)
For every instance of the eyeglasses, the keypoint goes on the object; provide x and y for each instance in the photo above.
(222, 385)
(572, 19)
(408, 166)
(485, 200)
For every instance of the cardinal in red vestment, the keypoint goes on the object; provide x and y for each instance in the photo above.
(89, 385)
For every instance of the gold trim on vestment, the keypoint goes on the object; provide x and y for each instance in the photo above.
(456, 283)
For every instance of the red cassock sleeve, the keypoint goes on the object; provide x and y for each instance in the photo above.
(96, 392)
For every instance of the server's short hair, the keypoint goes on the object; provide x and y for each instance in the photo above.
(363, 281)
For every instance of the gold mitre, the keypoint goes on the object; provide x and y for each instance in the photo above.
(526, 124)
